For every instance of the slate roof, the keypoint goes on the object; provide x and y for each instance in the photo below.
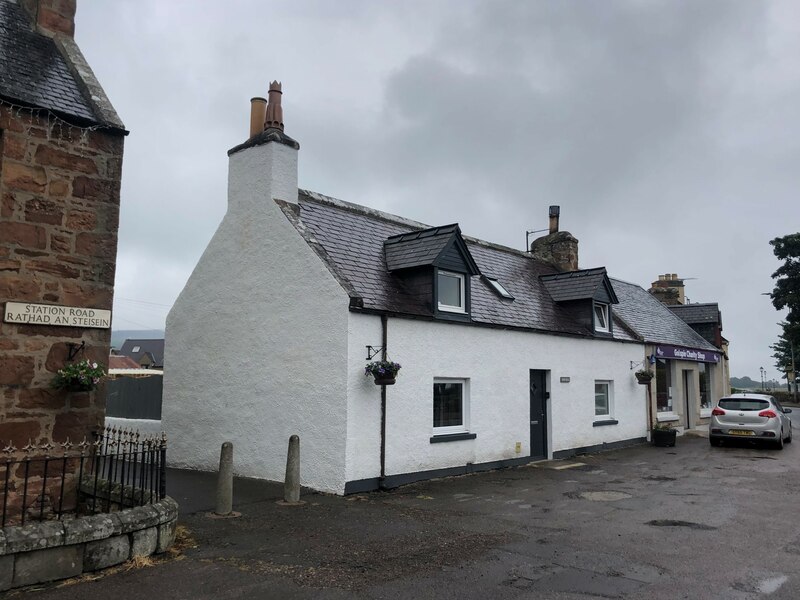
(418, 248)
(695, 314)
(34, 72)
(652, 320)
(353, 240)
(153, 347)
(350, 240)
(575, 285)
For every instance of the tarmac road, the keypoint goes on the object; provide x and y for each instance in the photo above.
(687, 522)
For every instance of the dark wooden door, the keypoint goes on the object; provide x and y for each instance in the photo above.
(538, 415)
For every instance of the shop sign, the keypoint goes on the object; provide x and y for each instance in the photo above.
(62, 316)
(678, 353)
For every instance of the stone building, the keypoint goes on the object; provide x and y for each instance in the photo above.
(61, 145)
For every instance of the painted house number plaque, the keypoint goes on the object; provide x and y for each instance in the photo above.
(50, 314)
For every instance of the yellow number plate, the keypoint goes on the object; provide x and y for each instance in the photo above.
(740, 432)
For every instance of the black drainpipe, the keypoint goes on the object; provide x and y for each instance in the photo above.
(385, 330)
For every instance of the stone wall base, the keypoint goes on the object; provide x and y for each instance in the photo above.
(50, 550)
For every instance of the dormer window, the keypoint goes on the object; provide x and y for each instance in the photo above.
(601, 318)
(436, 267)
(451, 292)
(587, 295)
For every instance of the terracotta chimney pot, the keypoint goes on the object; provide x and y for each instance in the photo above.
(258, 115)
(555, 211)
(274, 110)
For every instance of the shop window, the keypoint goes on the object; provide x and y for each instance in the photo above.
(706, 396)
(663, 390)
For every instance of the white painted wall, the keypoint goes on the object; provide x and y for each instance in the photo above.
(497, 362)
(256, 343)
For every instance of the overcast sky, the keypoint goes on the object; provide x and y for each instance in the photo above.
(668, 132)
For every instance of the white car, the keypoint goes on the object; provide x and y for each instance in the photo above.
(750, 416)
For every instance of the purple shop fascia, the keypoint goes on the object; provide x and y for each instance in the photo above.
(677, 353)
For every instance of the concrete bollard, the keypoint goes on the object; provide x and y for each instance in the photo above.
(291, 485)
(225, 481)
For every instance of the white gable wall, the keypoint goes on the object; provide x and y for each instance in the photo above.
(256, 343)
(497, 363)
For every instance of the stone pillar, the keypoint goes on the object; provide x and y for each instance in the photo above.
(291, 486)
(224, 504)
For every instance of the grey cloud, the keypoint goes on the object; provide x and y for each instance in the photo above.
(667, 131)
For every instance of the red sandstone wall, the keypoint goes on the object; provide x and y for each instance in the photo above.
(59, 214)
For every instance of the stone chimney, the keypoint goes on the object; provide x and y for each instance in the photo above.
(52, 17)
(559, 248)
(668, 289)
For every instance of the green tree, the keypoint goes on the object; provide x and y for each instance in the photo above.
(786, 293)
(782, 350)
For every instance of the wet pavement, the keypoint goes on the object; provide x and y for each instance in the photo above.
(686, 522)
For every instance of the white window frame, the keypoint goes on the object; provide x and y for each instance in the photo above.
(463, 285)
(609, 397)
(605, 311)
(136, 349)
(464, 427)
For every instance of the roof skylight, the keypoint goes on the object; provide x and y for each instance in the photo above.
(498, 287)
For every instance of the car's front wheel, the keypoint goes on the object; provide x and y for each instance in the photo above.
(789, 439)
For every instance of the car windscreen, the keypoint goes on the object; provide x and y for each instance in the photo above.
(743, 404)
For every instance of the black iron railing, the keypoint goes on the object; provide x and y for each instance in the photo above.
(118, 469)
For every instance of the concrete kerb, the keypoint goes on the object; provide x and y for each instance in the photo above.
(49, 550)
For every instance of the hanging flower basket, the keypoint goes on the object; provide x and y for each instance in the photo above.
(644, 377)
(82, 376)
(384, 371)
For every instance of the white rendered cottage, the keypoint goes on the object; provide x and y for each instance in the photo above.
(505, 358)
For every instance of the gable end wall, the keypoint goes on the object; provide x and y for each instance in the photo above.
(256, 343)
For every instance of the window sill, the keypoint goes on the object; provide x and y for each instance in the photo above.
(667, 417)
(452, 316)
(705, 413)
(605, 422)
(453, 437)
(456, 310)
